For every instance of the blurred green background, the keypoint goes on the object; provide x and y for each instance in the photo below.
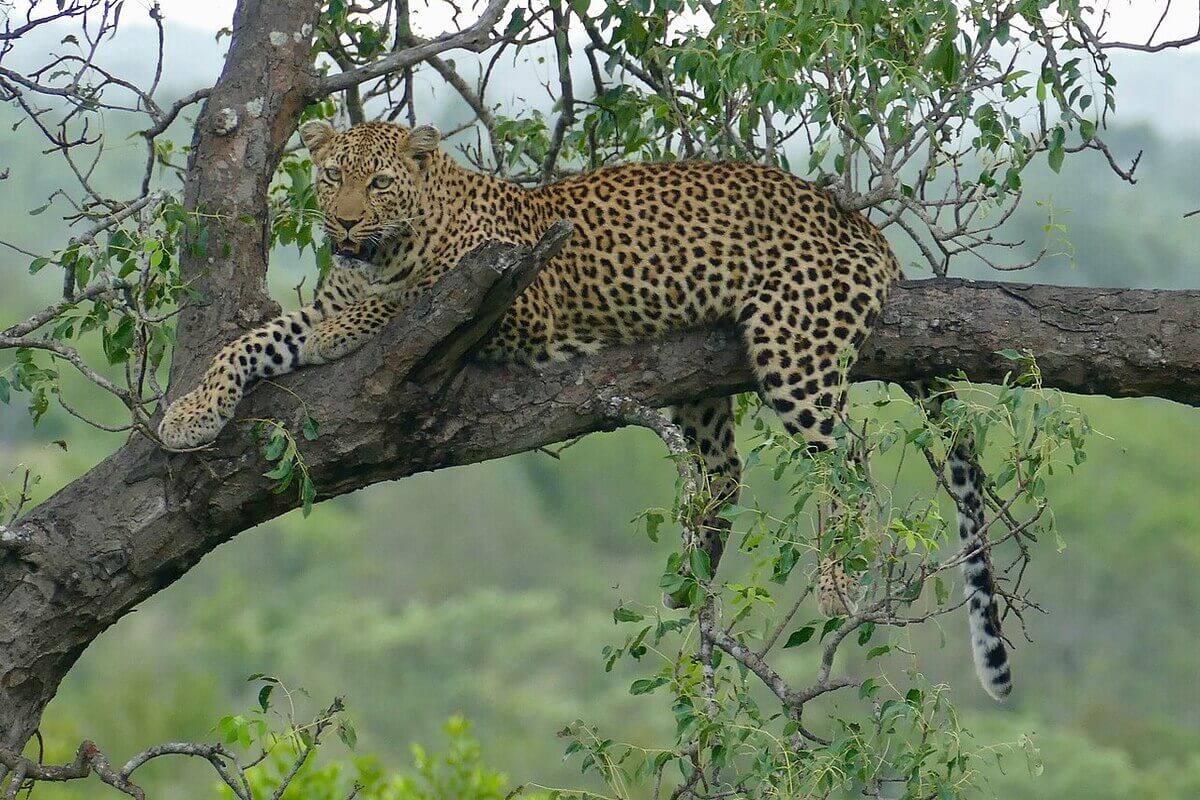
(488, 590)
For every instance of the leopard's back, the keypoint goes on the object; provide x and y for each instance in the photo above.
(659, 247)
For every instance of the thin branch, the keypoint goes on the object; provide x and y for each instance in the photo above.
(476, 37)
(96, 290)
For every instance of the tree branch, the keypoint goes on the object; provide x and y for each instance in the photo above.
(142, 518)
(475, 38)
(90, 759)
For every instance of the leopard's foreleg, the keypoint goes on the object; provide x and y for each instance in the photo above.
(339, 321)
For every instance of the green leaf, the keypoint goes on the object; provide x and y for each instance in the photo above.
(82, 270)
(515, 22)
(283, 470)
(308, 496)
(701, 567)
(347, 734)
(654, 521)
(940, 591)
(880, 650)
(671, 582)
(831, 625)
(784, 564)
(227, 727)
(623, 614)
(646, 685)
(264, 696)
(276, 445)
(733, 511)
(799, 637)
(118, 341)
(309, 428)
(1056, 158)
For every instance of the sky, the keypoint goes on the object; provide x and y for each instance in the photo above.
(1131, 20)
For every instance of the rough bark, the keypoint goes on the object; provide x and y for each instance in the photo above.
(149, 517)
(239, 138)
(1115, 342)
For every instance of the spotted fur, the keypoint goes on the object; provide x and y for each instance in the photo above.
(983, 615)
(656, 248)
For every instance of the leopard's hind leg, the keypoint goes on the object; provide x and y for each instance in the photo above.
(797, 336)
(708, 426)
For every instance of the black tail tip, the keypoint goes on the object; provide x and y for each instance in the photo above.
(999, 686)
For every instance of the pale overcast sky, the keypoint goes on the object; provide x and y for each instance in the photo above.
(1132, 20)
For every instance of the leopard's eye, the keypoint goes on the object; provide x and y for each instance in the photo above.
(381, 181)
(333, 173)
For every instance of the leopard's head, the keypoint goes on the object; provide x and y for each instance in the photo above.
(369, 181)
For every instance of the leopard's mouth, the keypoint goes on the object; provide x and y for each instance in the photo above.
(355, 251)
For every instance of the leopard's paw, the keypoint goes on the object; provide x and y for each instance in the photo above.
(190, 421)
(320, 346)
(837, 593)
(331, 341)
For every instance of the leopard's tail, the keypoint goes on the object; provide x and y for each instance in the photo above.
(966, 482)
(987, 648)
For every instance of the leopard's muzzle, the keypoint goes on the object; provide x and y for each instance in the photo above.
(350, 250)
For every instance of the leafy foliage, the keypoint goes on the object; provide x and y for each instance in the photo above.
(281, 449)
(130, 290)
(928, 111)
(454, 773)
(901, 733)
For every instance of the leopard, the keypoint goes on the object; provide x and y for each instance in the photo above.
(657, 247)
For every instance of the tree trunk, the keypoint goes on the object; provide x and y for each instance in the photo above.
(239, 138)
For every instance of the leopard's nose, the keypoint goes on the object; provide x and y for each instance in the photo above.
(347, 224)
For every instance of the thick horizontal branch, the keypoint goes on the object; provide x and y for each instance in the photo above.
(475, 37)
(142, 518)
(1114, 342)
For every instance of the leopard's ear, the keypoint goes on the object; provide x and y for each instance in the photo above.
(423, 140)
(316, 134)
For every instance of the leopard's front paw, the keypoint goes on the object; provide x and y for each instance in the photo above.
(330, 342)
(317, 348)
(190, 421)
